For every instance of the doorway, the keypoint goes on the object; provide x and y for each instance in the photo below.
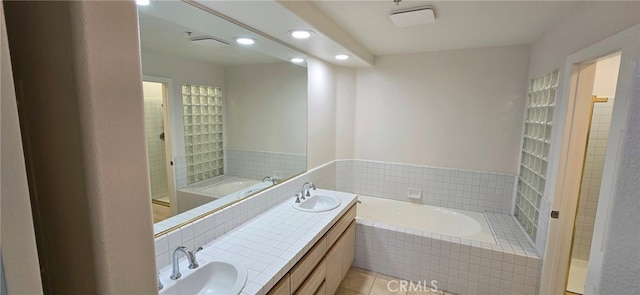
(158, 148)
(595, 90)
(600, 109)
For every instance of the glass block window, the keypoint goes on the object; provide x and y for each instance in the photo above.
(202, 132)
(535, 150)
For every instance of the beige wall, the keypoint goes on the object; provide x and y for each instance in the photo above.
(457, 109)
(18, 243)
(83, 116)
(346, 80)
(266, 107)
(321, 104)
(606, 78)
(181, 71)
(591, 22)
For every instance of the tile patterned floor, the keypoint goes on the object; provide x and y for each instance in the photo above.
(363, 282)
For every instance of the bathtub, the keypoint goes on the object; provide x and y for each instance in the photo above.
(463, 252)
(437, 220)
(217, 191)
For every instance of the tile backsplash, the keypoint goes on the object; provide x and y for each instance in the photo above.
(478, 191)
(208, 228)
(452, 188)
(258, 164)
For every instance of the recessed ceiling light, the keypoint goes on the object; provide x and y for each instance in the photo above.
(297, 60)
(300, 34)
(143, 2)
(245, 41)
(342, 57)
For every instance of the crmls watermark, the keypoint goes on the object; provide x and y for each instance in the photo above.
(406, 286)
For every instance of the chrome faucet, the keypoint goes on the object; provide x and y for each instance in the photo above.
(191, 257)
(305, 190)
(269, 178)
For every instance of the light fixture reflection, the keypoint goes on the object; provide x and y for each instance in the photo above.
(342, 57)
(300, 34)
(245, 41)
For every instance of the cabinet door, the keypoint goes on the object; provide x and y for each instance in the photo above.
(334, 267)
(349, 247)
(283, 287)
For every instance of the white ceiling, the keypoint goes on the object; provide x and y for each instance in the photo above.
(362, 28)
(163, 27)
(459, 24)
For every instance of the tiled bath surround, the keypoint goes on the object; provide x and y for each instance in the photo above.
(477, 191)
(258, 164)
(461, 266)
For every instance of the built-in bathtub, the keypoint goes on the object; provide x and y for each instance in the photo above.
(465, 252)
(223, 190)
(451, 222)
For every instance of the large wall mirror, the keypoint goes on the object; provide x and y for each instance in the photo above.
(224, 119)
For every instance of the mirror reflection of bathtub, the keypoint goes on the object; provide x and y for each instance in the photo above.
(222, 189)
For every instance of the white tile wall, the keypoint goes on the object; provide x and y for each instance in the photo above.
(225, 220)
(591, 179)
(477, 191)
(258, 164)
(459, 265)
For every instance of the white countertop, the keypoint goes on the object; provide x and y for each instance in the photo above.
(270, 244)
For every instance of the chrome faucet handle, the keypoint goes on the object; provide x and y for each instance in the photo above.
(298, 198)
(193, 262)
(160, 286)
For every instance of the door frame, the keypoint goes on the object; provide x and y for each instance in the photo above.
(558, 245)
(168, 135)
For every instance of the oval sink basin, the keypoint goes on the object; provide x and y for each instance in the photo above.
(217, 277)
(317, 203)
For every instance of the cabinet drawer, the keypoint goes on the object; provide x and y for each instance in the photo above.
(307, 264)
(322, 290)
(313, 282)
(336, 231)
(283, 287)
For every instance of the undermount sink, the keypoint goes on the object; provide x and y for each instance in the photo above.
(216, 277)
(317, 203)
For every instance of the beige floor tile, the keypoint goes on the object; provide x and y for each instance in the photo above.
(381, 286)
(386, 277)
(343, 291)
(362, 270)
(425, 292)
(358, 282)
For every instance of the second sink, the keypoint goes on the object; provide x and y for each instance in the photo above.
(216, 277)
(317, 203)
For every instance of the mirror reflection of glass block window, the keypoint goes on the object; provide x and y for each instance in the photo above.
(202, 106)
(535, 151)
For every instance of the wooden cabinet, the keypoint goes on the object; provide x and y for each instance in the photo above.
(322, 269)
(307, 264)
(283, 287)
(340, 257)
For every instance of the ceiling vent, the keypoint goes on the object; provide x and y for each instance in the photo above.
(209, 42)
(413, 16)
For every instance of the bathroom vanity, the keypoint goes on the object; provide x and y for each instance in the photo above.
(291, 248)
(322, 269)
